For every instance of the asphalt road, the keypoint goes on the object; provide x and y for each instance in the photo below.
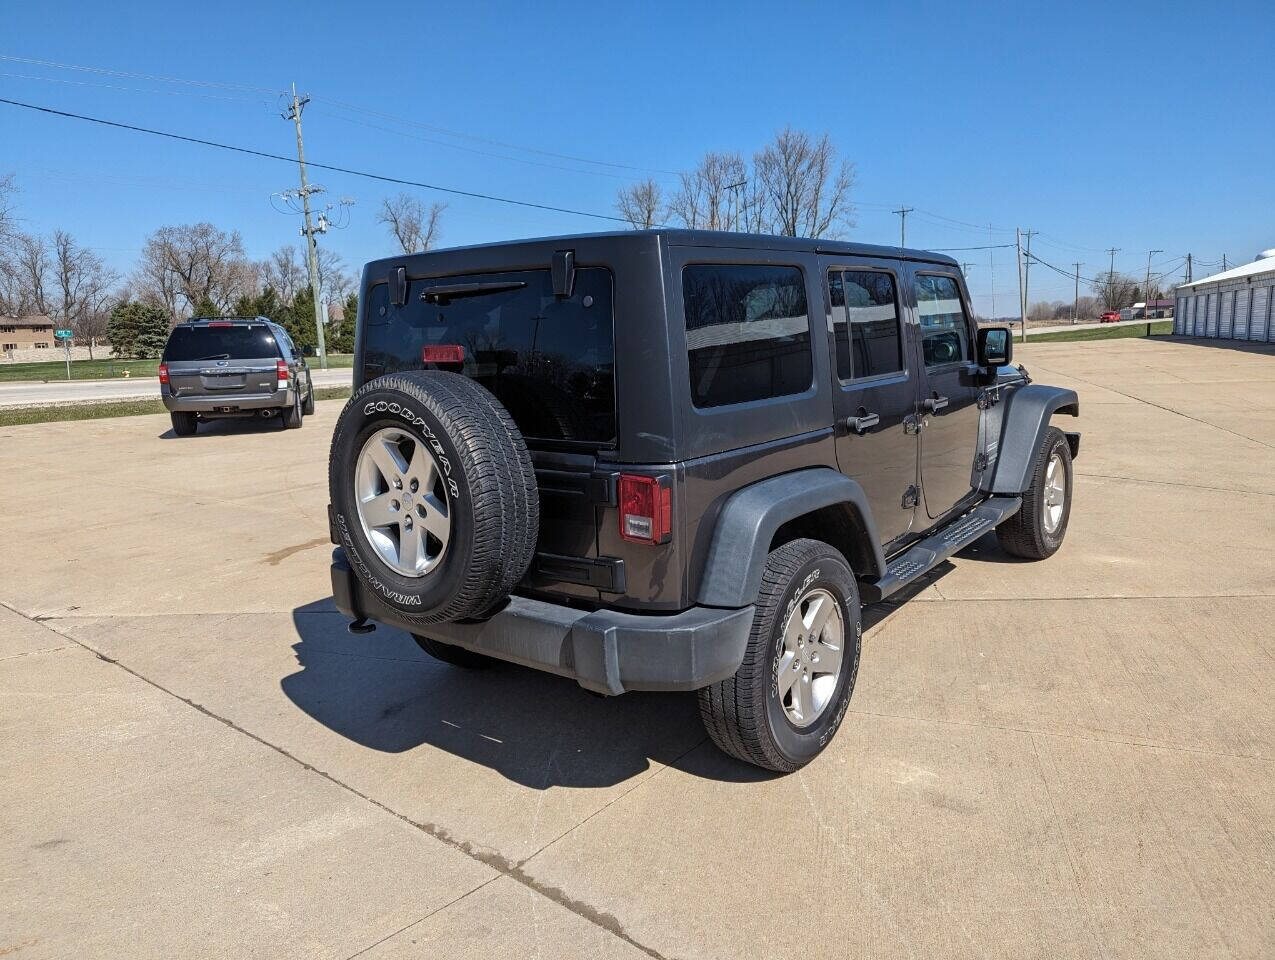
(29, 393)
(1067, 759)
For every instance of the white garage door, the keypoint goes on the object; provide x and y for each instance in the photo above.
(1179, 316)
(1239, 329)
(1210, 329)
(1260, 324)
(1228, 307)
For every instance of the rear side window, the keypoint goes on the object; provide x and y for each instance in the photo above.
(865, 323)
(944, 335)
(548, 359)
(238, 342)
(747, 332)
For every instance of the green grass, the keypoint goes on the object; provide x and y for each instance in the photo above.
(1158, 328)
(16, 416)
(108, 369)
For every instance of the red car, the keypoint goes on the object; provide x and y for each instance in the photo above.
(1111, 316)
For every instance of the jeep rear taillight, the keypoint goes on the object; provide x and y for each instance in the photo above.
(281, 374)
(646, 508)
(163, 373)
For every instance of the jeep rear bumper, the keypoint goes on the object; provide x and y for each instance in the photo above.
(606, 651)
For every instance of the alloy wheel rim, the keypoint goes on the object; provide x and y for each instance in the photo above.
(1055, 498)
(401, 502)
(811, 657)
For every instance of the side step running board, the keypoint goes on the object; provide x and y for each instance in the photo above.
(927, 554)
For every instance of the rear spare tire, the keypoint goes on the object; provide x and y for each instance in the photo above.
(433, 495)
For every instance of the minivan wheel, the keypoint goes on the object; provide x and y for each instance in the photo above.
(1036, 531)
(433, 495)
(184, 424)
(788, 697)
(290, 416)
(450, 653)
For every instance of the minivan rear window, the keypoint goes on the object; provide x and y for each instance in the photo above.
(238, 342)
(549, 360)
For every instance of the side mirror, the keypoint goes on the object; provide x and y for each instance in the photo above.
(995, 347)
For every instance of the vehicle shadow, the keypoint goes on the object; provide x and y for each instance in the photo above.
(381, 691)
(1241, 346)
(227, 426)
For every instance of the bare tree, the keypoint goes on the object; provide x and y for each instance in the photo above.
(287, 274)
(7, 190)
(31, 265)
(710, 196)
(185, 265)
(81, 288)
(1114, 290)
(640, 204)
(805, 189)
(413, 226)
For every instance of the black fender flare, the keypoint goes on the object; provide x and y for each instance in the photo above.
(1024, 417)
(748, 521)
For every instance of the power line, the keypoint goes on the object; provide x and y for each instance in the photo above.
(116, 86)
(137, 76)
(321, 166)
(990, 246)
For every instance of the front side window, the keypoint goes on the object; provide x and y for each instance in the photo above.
(945, 336)
(747, 332)
(865, 323)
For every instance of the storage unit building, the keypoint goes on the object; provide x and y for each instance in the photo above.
(1233, 305)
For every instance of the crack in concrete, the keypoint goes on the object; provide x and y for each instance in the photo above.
(490, 858)
(1178, 483)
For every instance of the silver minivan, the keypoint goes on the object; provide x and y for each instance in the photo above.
(220, 367)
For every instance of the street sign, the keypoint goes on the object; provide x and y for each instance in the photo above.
(63, 334)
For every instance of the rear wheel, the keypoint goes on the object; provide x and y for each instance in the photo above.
(449, 653)
(184, 424)
(308, 407)
(291, 416)
(1036, 531)
(787, 699)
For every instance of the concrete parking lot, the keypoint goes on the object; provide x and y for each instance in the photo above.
(1073, 758)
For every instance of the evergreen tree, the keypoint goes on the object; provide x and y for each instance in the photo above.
(137, 330)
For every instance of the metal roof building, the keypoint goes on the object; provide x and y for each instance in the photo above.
(1235, 304)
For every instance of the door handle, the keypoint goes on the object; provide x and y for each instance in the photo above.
(934, 404)
(863, 423)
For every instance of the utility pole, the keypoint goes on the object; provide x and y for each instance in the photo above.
(309, 230)
(903, 224)
(1022, 293)
(1075, 304)
(1027, 273)
(991, 269)
(1224, 266)
(1188, 268)
(1113, 251)
(966, 268)
(1146, 291)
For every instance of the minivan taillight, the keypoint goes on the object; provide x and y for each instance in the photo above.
(646, 509)
(163, 373)
(281, 374)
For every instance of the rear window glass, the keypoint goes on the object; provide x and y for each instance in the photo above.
(549, 360)
(244, 342)
(747, 332)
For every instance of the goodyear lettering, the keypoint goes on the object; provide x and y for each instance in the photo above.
(398, 410)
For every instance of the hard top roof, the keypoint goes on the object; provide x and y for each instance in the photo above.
(706, 238)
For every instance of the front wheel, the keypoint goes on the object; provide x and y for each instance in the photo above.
(1036, 531)
(787, 699)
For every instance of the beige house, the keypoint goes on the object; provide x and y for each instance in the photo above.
(26, 333)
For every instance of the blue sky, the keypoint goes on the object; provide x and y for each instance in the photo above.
(1040, 116)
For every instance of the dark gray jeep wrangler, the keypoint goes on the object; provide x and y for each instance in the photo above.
(666, 460)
